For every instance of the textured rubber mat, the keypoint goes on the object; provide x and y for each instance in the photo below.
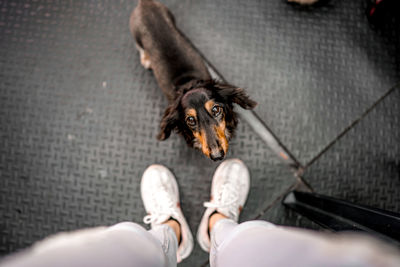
(280, 215)
(79, 116)
(311, 70)
(364, 166)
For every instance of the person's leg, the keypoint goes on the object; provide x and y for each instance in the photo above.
(124, 244)
(259, 243)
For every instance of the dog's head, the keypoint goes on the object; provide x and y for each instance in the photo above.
(203, 114)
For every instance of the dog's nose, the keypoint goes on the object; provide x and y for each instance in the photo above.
(218, 155)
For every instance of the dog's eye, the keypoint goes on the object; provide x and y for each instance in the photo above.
(191, 121)
(216, 110)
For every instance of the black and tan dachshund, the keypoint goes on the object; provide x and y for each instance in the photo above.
(200, 109)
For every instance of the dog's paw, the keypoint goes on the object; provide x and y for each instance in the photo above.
(145, 63)
(145, 60)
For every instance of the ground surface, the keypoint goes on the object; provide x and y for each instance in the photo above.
(79, 114)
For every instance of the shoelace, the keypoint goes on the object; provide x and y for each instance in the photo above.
(163, 206)
(227, 199)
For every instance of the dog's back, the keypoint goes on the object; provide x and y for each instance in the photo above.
(173, 59)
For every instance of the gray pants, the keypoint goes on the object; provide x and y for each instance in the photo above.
(253, 243)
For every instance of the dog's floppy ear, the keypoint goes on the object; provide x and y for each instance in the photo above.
(236, 95)
(169, 122)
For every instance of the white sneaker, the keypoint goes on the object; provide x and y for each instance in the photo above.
(229, 190)
(160, 196)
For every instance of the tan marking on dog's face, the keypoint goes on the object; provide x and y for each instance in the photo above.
(191, 112)
(220, 131)
(201, 137)
(218, 128)
(209, 105)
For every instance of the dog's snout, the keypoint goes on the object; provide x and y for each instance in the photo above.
(217, 155)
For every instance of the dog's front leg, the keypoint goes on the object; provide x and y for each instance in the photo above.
(144, 58)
